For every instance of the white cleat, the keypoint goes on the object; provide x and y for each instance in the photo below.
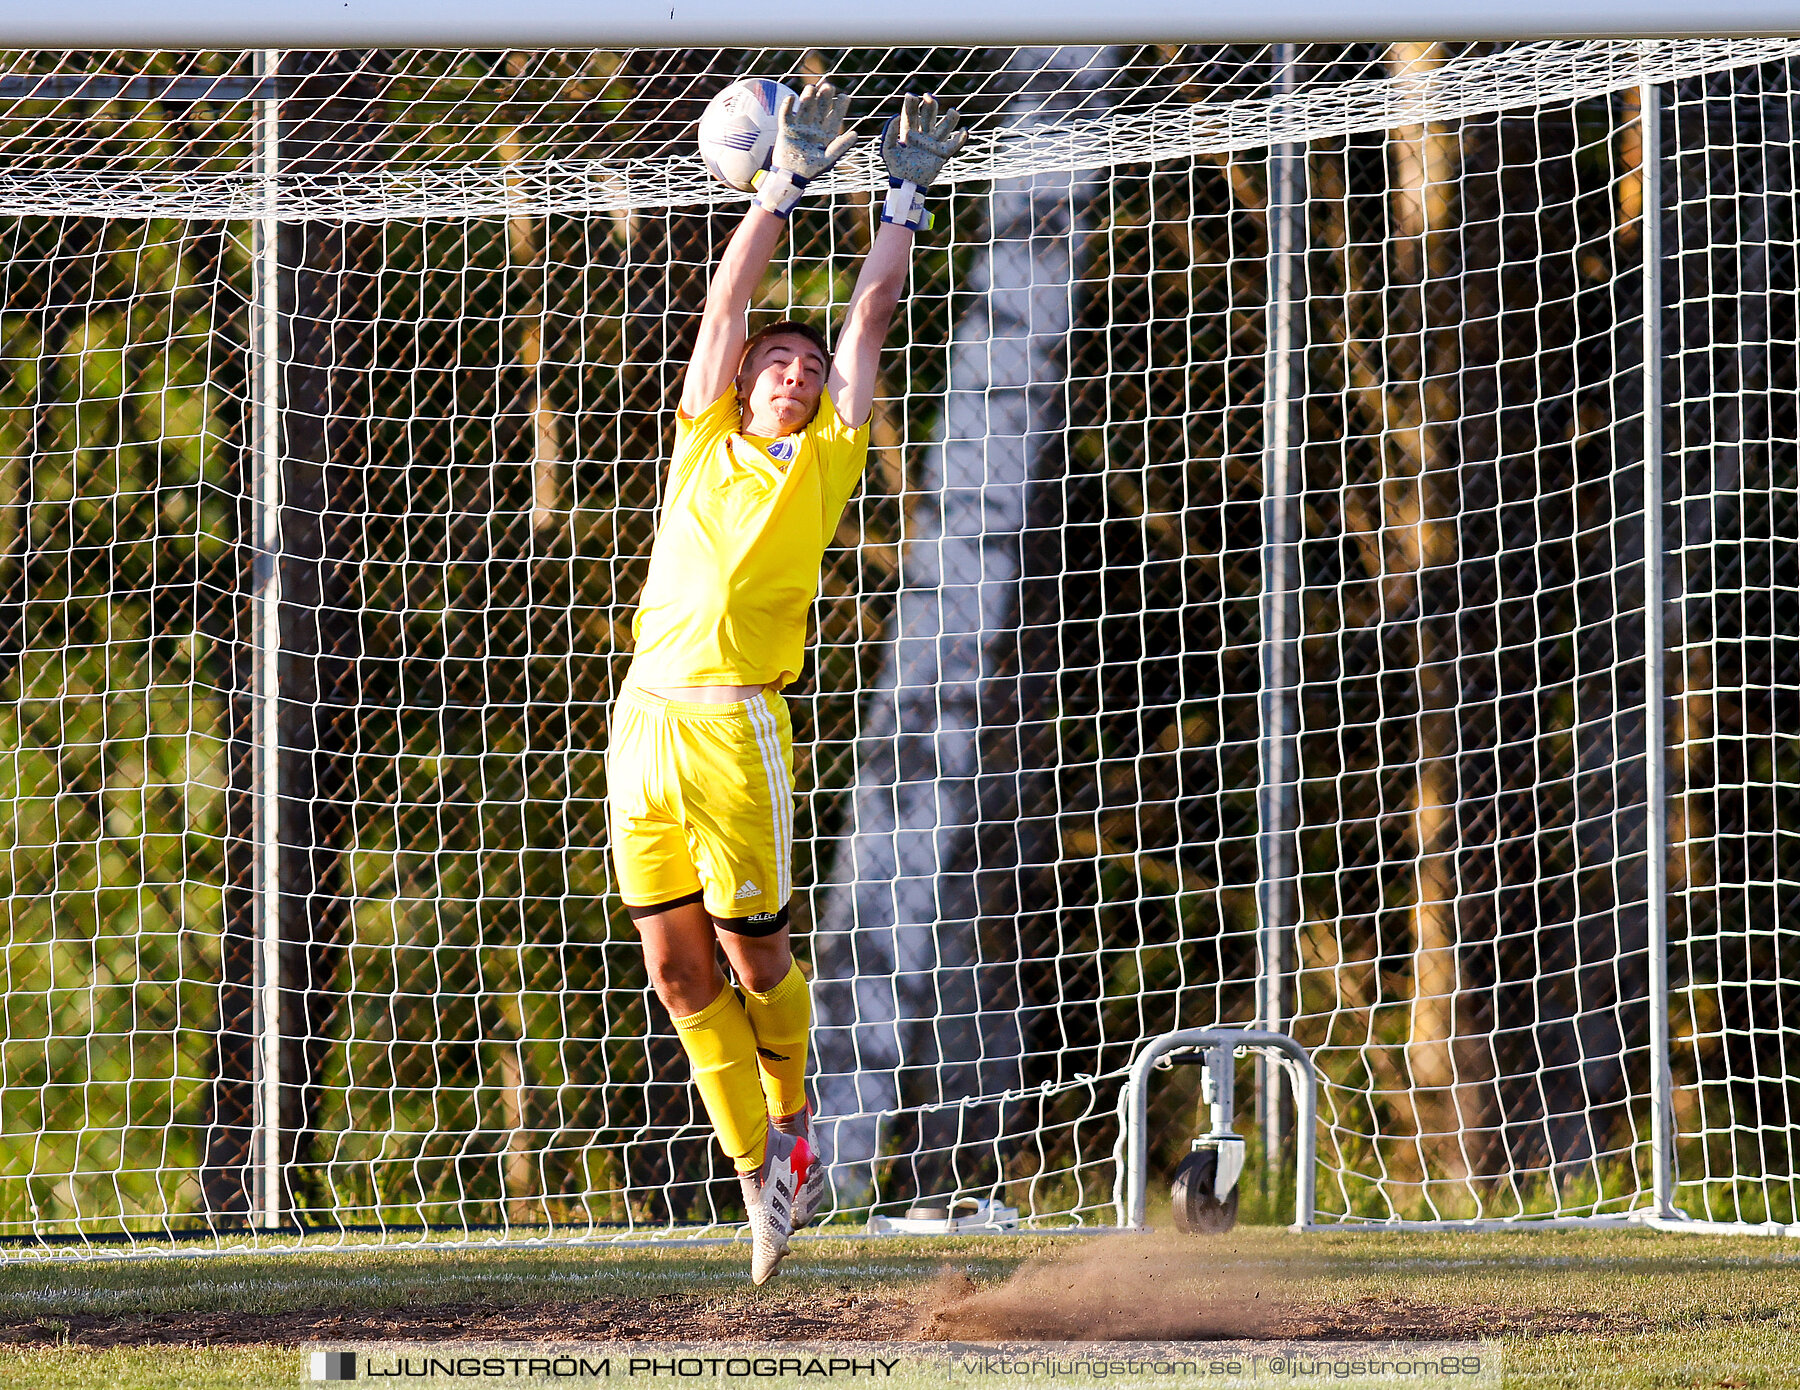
(812, 1190)
(769, 1195)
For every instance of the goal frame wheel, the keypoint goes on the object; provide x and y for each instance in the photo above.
(1197, 1210)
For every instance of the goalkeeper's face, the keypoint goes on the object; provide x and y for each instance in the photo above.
(780, 385)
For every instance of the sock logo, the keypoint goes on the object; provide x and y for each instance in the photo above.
(746, 889)
(769, 1056)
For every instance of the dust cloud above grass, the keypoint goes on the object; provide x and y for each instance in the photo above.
(1126, 1288)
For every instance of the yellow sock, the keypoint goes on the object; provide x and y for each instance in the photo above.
(782, 1019)
(722, 1048)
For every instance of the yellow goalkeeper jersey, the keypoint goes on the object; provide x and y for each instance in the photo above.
(736, 560)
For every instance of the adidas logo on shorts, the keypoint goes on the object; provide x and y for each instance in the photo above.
(746, 889)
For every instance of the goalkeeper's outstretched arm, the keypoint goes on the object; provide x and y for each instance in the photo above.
(915, 146)
(872, 304)
(721, 340)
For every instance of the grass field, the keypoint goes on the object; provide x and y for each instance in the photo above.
(1576, 1309)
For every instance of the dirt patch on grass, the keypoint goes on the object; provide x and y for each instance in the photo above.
(871, 1317)
(858, 1316)
(1109, 1289)
(1400, 1319)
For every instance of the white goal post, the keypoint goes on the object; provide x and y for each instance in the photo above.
(1329, 565)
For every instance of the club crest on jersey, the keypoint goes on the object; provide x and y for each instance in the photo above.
(783, 450)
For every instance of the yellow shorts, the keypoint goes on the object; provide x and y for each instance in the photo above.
(700, 801)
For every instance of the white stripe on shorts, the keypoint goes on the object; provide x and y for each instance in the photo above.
(781, 790)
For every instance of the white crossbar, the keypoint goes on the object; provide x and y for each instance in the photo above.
(557, 23)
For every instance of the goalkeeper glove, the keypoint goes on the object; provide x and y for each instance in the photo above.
(915, 145)
(810, 139)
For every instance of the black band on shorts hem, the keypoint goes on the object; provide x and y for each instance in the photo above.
(638, 914)
(759, 924)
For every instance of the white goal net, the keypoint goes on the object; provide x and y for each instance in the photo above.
(1247, 617)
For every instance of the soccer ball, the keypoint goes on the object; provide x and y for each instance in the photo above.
(737, 131)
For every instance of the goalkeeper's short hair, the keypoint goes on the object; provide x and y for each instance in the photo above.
(782, 329)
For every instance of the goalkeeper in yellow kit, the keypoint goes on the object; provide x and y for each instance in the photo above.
(770, 439)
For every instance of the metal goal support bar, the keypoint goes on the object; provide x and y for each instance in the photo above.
(1134, 1101)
